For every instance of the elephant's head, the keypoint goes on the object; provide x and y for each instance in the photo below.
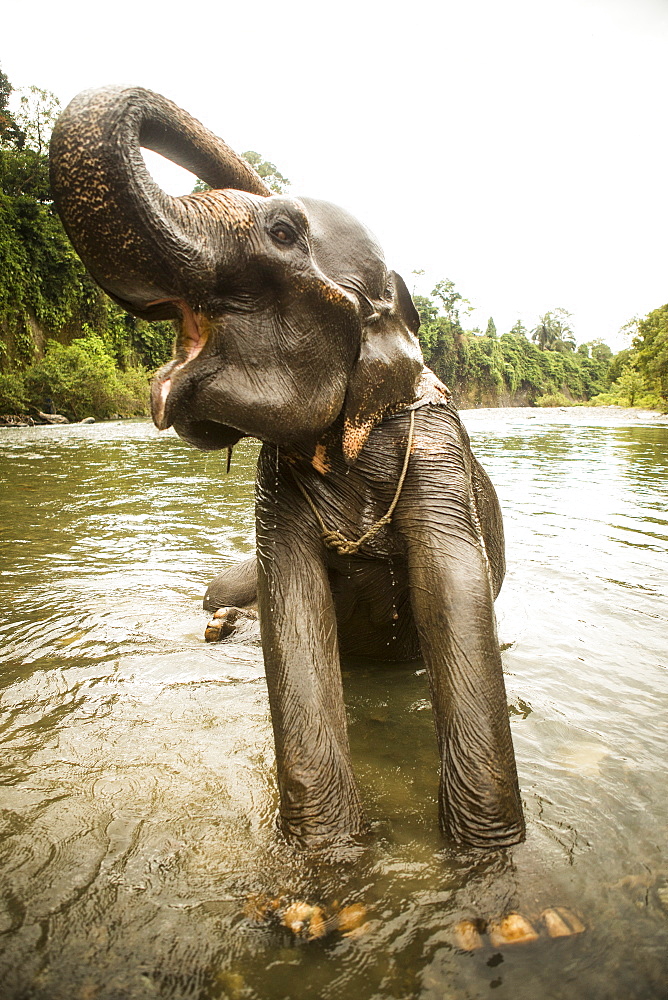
(290, 319)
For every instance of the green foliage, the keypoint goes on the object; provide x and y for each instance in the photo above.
(36, 114)
(40, 278)
(596, 349)
(25, 173)
(426, 309)
(82, 380)
(45, 291)
(451, 301)
(638, 375)
(268, 171)
(150, 344)
(553, 332)
(43, 284)
(554, 399)
(618, 364)
(651, 350)
(131, 342)
(484, 370)
(12, 393)
(630, 385)
(10, 133)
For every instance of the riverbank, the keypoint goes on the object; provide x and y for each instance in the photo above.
(592, 416)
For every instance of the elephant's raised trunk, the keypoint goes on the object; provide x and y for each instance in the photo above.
(140, 244)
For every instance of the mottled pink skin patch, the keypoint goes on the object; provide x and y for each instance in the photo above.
(164, 393)
(192, 338)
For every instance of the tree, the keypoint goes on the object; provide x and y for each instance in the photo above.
(630, 328)
(441, 336)
(44, 288)
(596, 349)
(268, 171)
(651, 348)
(630, 385)
(427, 311)
(491, 329)
(553, 331)
(5, 90)
(24, 166)
(543, 333)
(36, 115)
(448, 296)
(25, 173)
(10, 133)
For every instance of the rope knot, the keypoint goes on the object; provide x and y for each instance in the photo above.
(339, 543)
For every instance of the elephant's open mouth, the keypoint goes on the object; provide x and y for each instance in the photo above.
(193, 335)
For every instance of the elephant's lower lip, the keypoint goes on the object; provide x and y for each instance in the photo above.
(207, 435)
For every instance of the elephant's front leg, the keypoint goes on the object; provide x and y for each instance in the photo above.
(318, 796)
(452, 600)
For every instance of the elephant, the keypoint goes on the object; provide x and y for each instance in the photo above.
(378, 533)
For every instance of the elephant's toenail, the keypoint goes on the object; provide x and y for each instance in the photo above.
(213, 632)
(513, 929)
(467, 936)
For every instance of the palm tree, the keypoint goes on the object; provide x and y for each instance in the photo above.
(553, 332)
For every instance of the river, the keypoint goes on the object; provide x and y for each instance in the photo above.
(138, 798)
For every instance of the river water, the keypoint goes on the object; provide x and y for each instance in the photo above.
(138, 799)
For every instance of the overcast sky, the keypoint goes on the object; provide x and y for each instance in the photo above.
(516, 147)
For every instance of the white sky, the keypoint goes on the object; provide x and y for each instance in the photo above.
(517, 147)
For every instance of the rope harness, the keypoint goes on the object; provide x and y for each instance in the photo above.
(337, 541)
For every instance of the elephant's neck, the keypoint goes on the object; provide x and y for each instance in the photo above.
(428, 390)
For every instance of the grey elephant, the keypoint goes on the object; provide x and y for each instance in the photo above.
(378, 533)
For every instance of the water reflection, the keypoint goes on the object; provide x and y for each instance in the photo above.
(138, 800)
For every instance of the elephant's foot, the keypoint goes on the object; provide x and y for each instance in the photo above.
(310, 921)
(231, 621)
(514, 928)
(307, 920)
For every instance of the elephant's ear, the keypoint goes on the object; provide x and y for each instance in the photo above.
(387, 370)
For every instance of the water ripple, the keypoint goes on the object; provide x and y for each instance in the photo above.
(138, 804)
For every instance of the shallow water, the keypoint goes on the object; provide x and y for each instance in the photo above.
(138, 797)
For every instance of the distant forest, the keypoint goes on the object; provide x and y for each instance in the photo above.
(65, 347)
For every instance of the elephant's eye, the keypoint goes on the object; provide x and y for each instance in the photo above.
(282, 233)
